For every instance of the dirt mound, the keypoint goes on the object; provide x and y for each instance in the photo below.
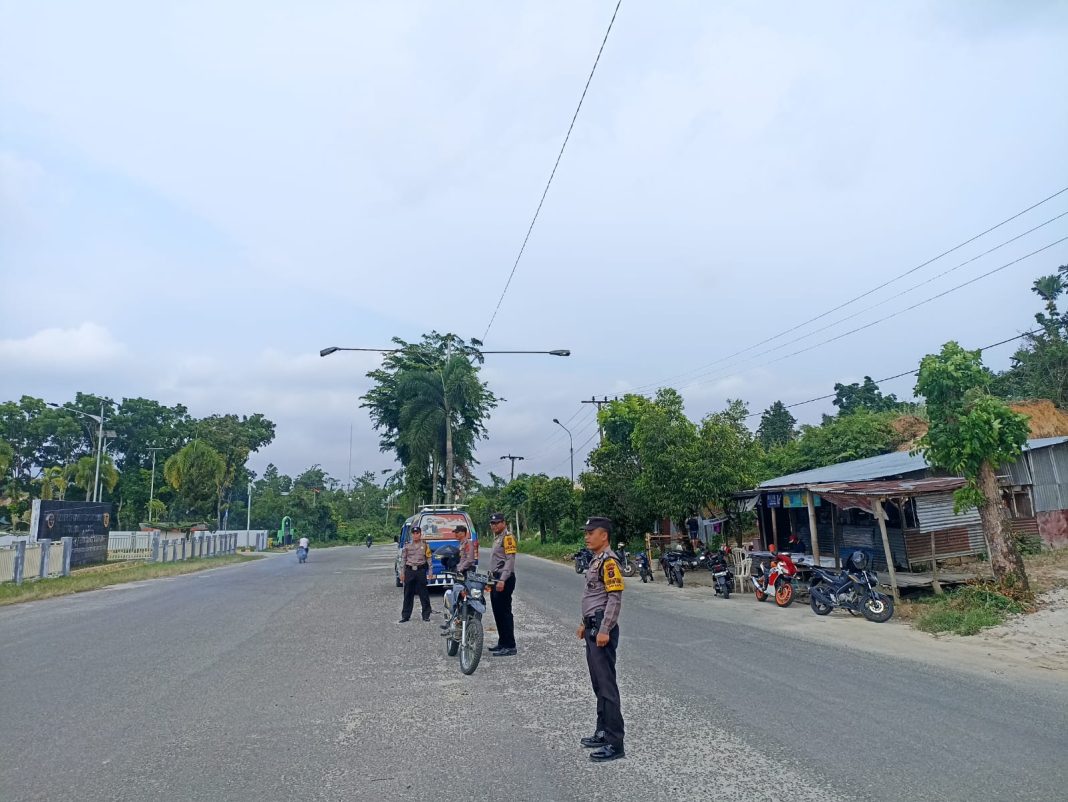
(909, 429)
(1046, 420)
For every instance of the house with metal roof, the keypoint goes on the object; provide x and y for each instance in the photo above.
(900, 510)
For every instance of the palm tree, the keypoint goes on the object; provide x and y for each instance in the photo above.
(1049, 289)
(436, 400)
(196, 473)
(83, 474)
(53, 482)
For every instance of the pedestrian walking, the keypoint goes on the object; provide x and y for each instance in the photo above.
(601, 602)
(502, 567)
(415, 562)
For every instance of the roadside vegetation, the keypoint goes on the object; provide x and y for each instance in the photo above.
(96, 577)
(561, 552)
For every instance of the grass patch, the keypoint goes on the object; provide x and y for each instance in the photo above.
(964, 611)
(102, 576)
(561, 552)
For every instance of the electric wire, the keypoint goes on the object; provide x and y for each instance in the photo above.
(865, 294)
(545, 192)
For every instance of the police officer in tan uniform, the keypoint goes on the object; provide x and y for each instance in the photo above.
(467, 557)
(415, 561)
(602, 600)
(502, 567)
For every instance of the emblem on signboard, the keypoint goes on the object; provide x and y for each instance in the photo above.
(107, 519)
(50, 520)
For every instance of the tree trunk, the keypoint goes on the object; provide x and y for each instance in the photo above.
(449, 465)
(1005, 558)
(434, 478)
(541, 528)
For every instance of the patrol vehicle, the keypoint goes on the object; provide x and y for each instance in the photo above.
(439, 529)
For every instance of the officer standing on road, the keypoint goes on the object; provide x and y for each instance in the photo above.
(502, 565)
(415, 560)
(601, 603)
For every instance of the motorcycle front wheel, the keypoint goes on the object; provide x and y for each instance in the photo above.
(627, 569)
(784, 594)
(471, 648)
(578, 567)
(678, 578)
(877, 608)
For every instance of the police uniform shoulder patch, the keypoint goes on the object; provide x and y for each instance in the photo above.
(509, 544)
(611, 576)
(428, 552)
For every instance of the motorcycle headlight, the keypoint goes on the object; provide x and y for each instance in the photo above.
(476, 593)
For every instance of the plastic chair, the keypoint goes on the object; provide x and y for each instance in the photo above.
(741, 576)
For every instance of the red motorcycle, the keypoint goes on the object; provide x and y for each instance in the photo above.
(776, 579)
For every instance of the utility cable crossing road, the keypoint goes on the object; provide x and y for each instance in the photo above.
(279, 681)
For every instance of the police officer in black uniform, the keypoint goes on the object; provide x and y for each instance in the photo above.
(602, 600)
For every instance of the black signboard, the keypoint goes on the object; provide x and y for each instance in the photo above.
(86, 523)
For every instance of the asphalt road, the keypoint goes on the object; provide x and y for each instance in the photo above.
(276, 681)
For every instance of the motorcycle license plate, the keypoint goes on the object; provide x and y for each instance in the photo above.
(720, 573)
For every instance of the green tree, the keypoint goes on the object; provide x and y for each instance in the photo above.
(1040, 367)
(430, 409)
(852, 397)
(729, 458)
(82, 474)
(196, 474)
(971, 434)
(53, 482)
(551, 501)
(777, 426)
(234, 438)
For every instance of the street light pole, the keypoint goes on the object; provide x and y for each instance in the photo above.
(152, 484)
(99, 453)
(572, 440)
(248, 517)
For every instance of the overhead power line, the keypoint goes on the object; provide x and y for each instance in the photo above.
(895, 376)
(705, 377)
(864, 294)
(548, 183)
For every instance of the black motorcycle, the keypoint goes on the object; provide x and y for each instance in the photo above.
(675, 564)
(583, 557)
(463, 619)
(645, 570)
(370, 540)
(854, 589)
(722, 576)
(626, 562)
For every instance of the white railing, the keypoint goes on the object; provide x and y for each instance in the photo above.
(45, 558)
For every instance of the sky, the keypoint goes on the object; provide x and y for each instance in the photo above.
(196, 198)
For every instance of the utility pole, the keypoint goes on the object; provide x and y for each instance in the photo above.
(348, 476)
(599, 403)
(99, 454)
(152, 484)
(248, 517)
(513, 459)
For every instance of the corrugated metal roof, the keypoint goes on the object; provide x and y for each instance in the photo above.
(897, 463)
(858, 470)
(893, 487)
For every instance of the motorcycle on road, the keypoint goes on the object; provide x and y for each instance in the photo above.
(627, 564)
(583, 557)
(645, 570)
(722, 576)
(853, 589)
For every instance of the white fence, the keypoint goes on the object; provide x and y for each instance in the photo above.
(39, 560)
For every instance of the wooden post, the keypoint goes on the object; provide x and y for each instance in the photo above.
(774, 528)
(934, 567)
(834, 540)
(812, 527)
(880, 516)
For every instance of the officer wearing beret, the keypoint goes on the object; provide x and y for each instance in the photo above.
(601, 603)
(502, 566)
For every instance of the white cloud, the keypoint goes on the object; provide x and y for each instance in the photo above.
(85, 350)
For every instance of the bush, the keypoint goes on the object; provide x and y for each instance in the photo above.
(967, 610)
(551, 551)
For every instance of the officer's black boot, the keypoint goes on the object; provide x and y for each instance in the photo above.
(594, 741)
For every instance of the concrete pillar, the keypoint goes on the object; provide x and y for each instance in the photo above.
(20, 561)
(183, 547)
(46, 547)
(154, 545)
(68, 550)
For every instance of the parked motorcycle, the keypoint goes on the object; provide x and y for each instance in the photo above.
(645, 570)
(776, 578)
(675, 564)
(583, 557)
(463, 632)
(370, 540)
(722, 576)
(853, 589)
(626, 562)
(302, 554)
